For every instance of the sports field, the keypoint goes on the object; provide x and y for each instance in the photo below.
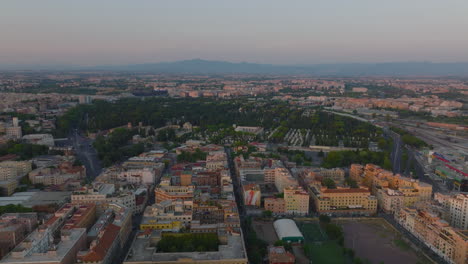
(325, 252)
(312, 232)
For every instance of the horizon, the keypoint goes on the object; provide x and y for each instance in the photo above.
(89, 33)
(239, 62)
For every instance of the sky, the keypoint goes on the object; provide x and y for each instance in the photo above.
(116, 32)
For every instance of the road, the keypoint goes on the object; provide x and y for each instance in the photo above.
(86, 153)
(236, 184)
(395, 156)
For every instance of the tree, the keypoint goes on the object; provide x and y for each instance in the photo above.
(334, 231)
(324, 219)
(329, 183)
(281, 243)
(351, 183)
(267, 213)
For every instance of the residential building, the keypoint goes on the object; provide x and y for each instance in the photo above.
(10, 174)
(185, 178)
(138, 176)
(55, 176)
(14, 131)
(413, 190)
(438, 235)
(12, 169)
(104, 194)
(343, 200)
(104, 249)
(163, 193)
(283, 179)
(230, 251)
(279, 255)
(168, 215)
(275, 205)
(356, 171)
(457, 207)
(252, 194)
(11, 234)
(390, 201)
(296, 201)
(43, 246)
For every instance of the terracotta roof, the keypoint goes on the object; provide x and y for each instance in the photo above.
(99, 252)
(351, 190)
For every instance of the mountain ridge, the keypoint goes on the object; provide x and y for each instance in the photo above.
(201, 66)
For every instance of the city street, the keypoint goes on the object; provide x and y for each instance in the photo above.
(86, 153)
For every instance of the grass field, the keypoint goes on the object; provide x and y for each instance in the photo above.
(327, 252)
(312, 232)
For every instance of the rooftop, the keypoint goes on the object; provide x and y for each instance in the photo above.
(142, 251)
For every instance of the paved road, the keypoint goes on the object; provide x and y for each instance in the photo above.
(395, 156)
(236, 184)
(86, 154)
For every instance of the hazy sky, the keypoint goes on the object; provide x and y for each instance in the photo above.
(93, 32)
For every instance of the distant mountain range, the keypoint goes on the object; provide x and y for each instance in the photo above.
(199, 66)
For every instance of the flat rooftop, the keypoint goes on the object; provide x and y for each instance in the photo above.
(142, 252)
(29, 199)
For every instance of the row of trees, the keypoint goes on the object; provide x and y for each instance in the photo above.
(114, 147)
(191, 156)
(256, 248)
(14, 208)
(345, 158)
(24, 151)
(409, 139)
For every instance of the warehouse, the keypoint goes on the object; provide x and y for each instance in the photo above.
(287, 230)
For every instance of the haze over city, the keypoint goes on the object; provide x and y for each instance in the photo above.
(274, 32)
(234, 132)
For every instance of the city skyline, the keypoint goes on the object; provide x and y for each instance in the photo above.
(269, 32)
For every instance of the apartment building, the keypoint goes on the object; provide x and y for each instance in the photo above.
(104, 194)
(390, 201)
(296, 200)
(104, 249)
(10, 174)
(168, 215)
(276, 205)
(252, 194)
(437, 234)
(457, 207)
(356, 171)
(144, 176)
(10, 169)
(343, 200)
(283, 179)
(41, 247)
(216, 160)
(377, 178)
(163, 193)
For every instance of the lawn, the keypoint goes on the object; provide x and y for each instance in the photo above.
(327, 252)
(312, 232)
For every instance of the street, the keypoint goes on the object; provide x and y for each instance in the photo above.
(86, 154)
